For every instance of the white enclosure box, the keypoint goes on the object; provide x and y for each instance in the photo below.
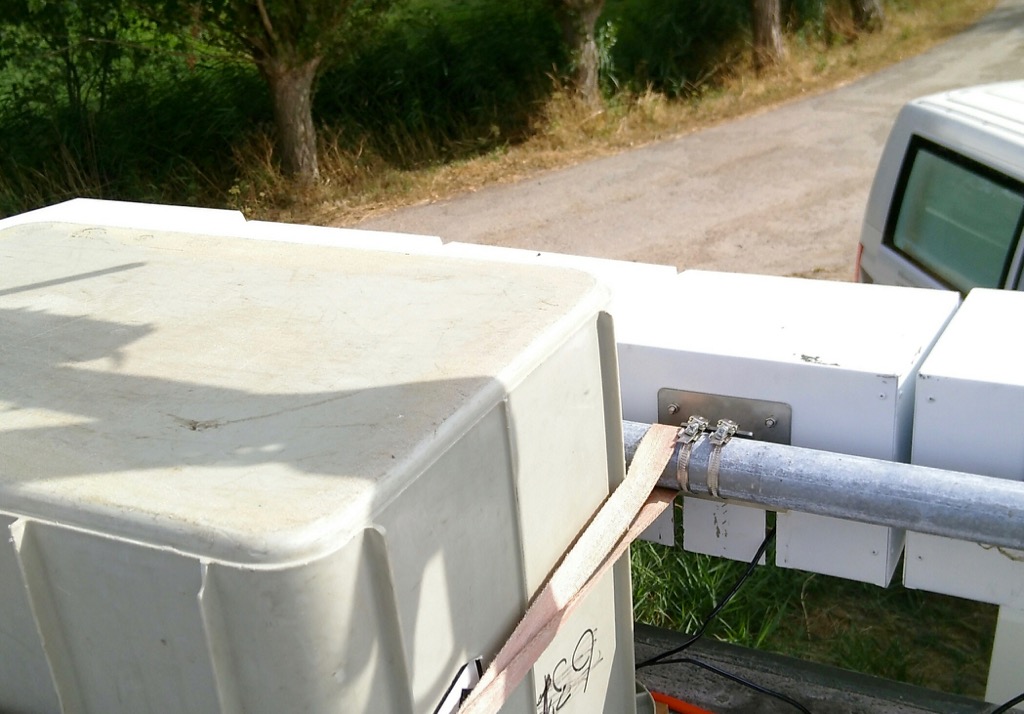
(634, 287)
(970, 417)
(252, 476)
(843, 357)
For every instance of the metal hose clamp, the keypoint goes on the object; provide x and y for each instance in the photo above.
(687, 437)
(725, 431)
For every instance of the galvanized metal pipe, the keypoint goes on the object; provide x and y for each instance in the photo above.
(927, 500)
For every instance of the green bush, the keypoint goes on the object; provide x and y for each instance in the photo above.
(678, 47)
(164, 139)
(95, 101)
(441, 77)
(672, 46)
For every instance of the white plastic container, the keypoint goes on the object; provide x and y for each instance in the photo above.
(252, 476)
(842, 356)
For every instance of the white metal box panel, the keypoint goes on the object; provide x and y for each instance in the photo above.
(970, 417)
(843, 356)
(633, 286)
(254, 476)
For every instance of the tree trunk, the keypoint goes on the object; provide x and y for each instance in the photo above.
(768, 47)
(868, 15)
(291, 92)
(578, 19)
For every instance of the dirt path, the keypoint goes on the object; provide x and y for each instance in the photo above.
(781, 192)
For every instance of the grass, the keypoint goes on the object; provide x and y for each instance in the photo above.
(359, 182)
(921, 638)
(912, 636)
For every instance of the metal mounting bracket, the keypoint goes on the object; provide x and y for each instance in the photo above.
(759, 419)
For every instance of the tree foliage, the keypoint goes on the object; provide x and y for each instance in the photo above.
(69, 45)
(672, 46)
(435, 81)
(290, 42)
(96, 100)
(67, 57)
(267, 30)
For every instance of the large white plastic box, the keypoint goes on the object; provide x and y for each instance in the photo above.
(842, 356)
(252, 476)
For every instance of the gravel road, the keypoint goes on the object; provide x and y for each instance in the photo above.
(781, 192)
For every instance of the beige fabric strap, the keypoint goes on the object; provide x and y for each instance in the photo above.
(624, 515)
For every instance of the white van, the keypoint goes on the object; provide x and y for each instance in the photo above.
(946, 207)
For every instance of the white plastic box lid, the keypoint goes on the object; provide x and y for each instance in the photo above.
(248, 401)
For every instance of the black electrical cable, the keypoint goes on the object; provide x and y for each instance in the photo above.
(657, 659)
(1006, 706)
(664, 657)
(740, 680)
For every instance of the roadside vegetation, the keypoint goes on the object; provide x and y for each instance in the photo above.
(421, 99)
(416, 100)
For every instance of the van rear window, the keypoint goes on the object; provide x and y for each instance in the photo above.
(955, 218)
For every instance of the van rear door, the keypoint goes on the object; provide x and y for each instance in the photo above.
(956, 219)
